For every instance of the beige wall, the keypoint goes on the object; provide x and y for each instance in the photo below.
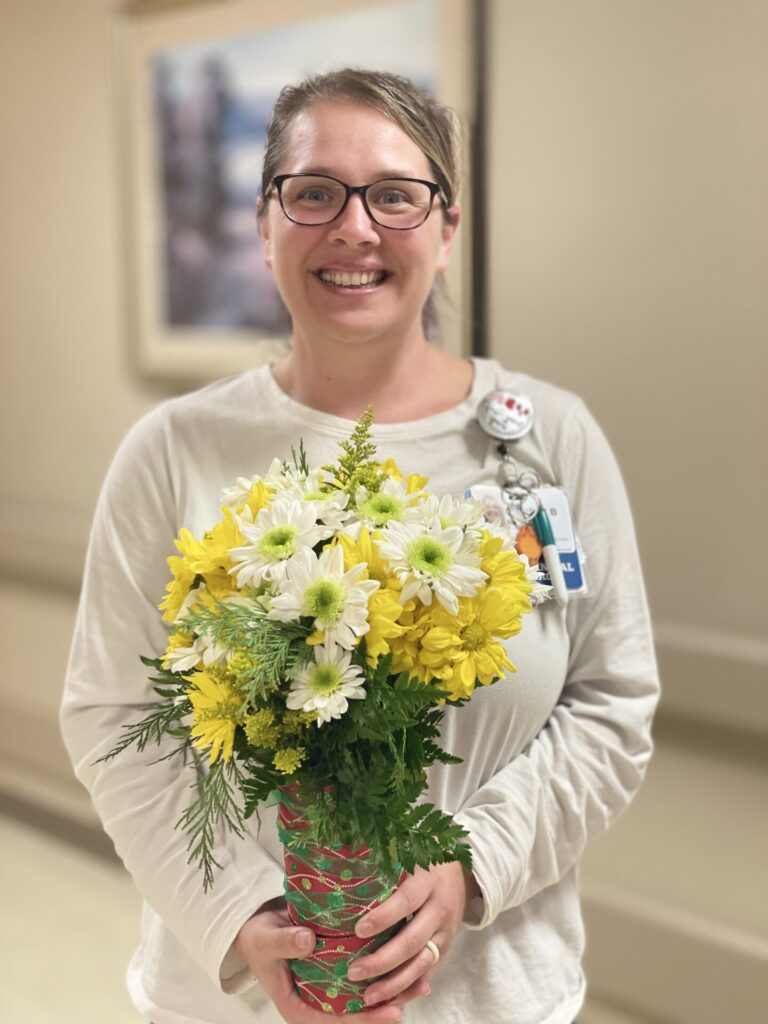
(628, 251)
(629, 263)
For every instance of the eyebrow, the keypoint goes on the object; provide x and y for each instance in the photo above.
(387, 173)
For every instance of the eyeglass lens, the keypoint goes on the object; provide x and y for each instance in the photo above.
(396, 202)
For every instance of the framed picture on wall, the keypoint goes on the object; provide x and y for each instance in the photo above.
(199, 79)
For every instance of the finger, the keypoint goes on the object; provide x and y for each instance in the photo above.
(418, 990)
(393, 986)
(284, 940)
(409, 897)
(408, 943)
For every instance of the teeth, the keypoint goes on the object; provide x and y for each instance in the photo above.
(354, 280)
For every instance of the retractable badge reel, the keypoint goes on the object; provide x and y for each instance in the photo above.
(507, 416)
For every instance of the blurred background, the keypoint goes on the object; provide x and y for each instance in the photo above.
(626, 259)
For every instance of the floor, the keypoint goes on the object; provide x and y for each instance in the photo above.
(68, 926)
(69, 923)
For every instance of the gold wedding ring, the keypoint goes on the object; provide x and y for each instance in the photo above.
(434, 949)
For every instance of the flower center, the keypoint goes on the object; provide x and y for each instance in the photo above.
(473, 636)
(429, 556)
(324, 600)
(318, 496)
(380, 508)
(277, 543)
(324, 679)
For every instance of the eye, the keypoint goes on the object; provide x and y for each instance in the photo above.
(314, 194)
(393, 197)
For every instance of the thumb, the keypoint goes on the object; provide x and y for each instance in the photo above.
(295, 943)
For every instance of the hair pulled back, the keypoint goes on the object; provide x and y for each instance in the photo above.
(433, 127)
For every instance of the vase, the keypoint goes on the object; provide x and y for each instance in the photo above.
(328, 889)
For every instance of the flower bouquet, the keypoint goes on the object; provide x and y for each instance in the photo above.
(319, 630)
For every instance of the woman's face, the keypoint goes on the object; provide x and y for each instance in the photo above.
(358, 145)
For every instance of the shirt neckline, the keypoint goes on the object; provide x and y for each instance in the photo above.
(338, 426)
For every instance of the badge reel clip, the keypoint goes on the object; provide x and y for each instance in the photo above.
(507, 416)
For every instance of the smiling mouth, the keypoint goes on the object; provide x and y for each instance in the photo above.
(352, 279)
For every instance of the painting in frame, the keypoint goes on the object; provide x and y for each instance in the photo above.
(199, 78)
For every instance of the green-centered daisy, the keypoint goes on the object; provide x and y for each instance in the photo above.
(326, 686)
(280, 531)
(331, 505)
(449, 511)
(316, 587)
(430, 560)
(375, 509)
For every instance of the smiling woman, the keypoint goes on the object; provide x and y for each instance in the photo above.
(358, 213)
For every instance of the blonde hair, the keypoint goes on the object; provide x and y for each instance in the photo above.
(434, 127)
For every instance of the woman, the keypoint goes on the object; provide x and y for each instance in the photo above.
(551, 756)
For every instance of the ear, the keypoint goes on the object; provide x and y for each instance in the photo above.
(262, 219)
(450, 224)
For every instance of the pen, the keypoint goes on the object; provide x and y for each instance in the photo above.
(543, 528)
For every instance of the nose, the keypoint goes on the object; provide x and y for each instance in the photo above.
(353, 226)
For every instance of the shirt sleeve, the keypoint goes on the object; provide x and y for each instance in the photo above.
(530, 822)
(138, 798)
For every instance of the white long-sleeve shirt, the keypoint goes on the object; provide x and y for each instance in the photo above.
(552, 754)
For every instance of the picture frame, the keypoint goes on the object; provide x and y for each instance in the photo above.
(197, 290)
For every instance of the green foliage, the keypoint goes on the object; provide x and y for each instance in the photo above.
(161, 719)
(300, 463)
(216, 801)
(365, 772)
(276, 649)
(356, 464)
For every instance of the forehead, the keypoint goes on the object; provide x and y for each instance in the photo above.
(353, 141)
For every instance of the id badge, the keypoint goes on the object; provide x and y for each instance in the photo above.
(555, 501)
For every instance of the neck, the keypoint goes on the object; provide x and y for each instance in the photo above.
(404, 381)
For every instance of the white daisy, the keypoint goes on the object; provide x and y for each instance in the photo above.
(319, 589)
(279, 532)
(203, 652)
(467, 513)
(235, 496)
(328, 684)
(391, 503)
(282, 475)
(331, 505)
(430, 560)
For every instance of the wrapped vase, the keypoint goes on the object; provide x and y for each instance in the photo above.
(328, 889)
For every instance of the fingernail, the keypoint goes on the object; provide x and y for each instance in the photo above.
(365, 928)
(373, 996)
(304, 939)
(355, 973)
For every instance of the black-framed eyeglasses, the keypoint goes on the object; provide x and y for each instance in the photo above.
(314, 199)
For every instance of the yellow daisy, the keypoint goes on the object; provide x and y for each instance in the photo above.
(208, 558)
(384, 607)
(413, 483)
(505, 571)
(216, 711)
(464, 649)
(176, 640)
(259, 497)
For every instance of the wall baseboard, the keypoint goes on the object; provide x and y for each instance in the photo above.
(715, 677)
(669, 965)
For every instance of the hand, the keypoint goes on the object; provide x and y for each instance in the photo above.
(266, 942)
(437, 899)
